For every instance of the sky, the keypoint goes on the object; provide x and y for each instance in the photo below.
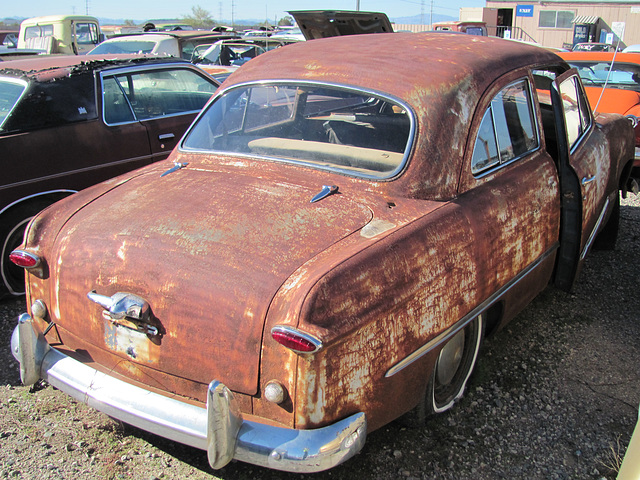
(236, 9)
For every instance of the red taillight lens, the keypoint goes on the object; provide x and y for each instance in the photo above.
(295, 339)
(24, 259)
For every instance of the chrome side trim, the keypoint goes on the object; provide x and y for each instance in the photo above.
(147, 158)
(596, 227)
(218, 429)
(29, 197)
(460, 324)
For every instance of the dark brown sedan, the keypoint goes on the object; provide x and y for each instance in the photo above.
(67, 123)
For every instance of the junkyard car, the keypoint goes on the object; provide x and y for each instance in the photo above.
(180, 43)
(612, 90)
(327, 246)
(67, 123)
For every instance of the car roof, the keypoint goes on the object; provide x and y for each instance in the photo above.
(183, 34)
(600, 57)
(400, 64)
(61, 65)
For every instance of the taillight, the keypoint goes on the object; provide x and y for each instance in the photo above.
(24, 259)
(295, 339)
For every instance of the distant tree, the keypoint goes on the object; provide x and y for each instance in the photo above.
(285, 21)
(199, 18)
(129, 23)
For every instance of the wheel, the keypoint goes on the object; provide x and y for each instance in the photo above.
(454, 366)
(11, 234)
(606, 239)
(450, 374)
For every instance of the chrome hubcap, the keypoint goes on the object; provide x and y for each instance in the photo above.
(450, 358)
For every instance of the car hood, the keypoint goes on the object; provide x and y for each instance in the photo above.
(207, 250)
(322, 23)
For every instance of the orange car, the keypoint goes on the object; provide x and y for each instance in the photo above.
(612, 90)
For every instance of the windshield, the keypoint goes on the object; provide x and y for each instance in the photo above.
(138, 46)
(225, 54)
(623, 75)
(326, 127)
(10, 92)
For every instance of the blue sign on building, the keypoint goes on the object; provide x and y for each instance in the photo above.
(524, 11)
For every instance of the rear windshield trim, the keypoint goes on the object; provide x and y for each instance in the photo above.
(16, 81)
(310, 83)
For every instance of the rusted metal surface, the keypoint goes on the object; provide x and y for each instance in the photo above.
(225, 248)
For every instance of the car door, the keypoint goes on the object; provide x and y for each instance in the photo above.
(583, 174)
(510, 194)
(166, 100)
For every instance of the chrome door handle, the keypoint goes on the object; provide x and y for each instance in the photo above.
(166, 136)
(587, 180)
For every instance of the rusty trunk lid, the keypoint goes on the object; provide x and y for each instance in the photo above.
(207, 250)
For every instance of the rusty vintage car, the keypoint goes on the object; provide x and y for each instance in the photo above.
(67, 122)
(612, 85)
(327, 246)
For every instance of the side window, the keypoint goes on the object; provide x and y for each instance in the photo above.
(577, 112)
(159, 93)
(116, 107)
(86, 33)
(507, 130)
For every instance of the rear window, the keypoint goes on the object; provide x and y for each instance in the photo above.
(327, 127)
(38, 31)
(48, 104)
(124, 47)
(10, 92)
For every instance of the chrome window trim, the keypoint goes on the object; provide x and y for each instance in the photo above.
(313, 83)
(464, 321)
(17, 81)
(532, 111)
(582, 97)
(112, 72)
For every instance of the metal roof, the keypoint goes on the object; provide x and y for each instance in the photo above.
(586, 19)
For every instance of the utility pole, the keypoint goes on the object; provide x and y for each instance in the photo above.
(357, 5)
(232, 13)
(87, 7)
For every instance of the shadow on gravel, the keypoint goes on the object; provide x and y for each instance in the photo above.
(10, 309)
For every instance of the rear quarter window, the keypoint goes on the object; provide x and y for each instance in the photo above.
(49, 104)
(508, 129)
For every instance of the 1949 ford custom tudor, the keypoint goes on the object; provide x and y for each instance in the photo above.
(325, 249)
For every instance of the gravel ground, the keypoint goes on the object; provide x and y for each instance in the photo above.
(555, 396)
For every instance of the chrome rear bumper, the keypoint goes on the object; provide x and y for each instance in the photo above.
(219, 429)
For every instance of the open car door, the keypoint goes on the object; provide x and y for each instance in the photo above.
(583, 178)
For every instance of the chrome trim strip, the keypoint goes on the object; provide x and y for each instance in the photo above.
(218, 427)
(29, 197)
(596, 227)
(148, 158)
(460, 324)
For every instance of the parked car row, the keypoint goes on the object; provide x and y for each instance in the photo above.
(326, 247)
